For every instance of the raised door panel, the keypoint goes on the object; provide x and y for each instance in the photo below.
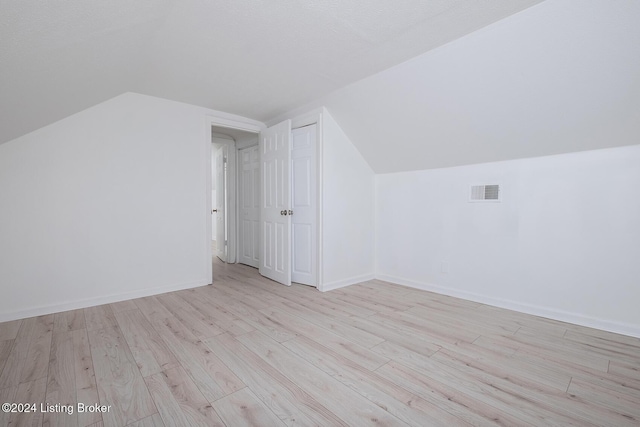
(275, 246)
(303, 194)
(249, 206)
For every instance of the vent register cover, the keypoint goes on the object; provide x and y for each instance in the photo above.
(485, 193)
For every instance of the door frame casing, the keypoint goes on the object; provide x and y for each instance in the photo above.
(247, 125)
(231, 201)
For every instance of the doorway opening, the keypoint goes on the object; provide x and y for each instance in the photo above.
(238, 226)
(225, 143)
(221, 147)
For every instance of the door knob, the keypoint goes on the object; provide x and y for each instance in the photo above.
(284, 213)
(281, 212)
(290, 212)
(214, 210)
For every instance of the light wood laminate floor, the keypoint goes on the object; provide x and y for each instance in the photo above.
(247, 351)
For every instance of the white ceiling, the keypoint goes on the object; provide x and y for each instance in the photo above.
(254, 58)
(560, 77)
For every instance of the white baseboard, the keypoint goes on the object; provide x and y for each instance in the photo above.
(345, 282)
(549, 313)
(91, 302)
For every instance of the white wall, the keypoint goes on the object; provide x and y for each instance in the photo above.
(348, 206)
(107, 204)
(564, 242)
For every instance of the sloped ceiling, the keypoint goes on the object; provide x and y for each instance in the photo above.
(254, 58)
(560, 77)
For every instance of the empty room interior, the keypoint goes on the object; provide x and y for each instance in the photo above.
(310, 213)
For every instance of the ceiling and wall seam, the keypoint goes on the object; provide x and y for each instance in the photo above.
(559, 77)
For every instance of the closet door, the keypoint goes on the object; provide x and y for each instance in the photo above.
(275, 233)
(303, 206)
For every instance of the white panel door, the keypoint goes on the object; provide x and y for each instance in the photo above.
(249, 206)
(303, 206)
(221, 202)
(275, 243)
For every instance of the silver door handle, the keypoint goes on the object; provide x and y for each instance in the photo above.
(214, 210)
(290, 212)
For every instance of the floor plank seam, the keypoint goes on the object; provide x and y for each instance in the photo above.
(383, 365)
(4, 365)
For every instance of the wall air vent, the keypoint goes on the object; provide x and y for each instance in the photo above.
(485, 193)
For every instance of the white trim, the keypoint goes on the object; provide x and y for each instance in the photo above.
(232, 201)
(209, 203)
(536, 310)
(310, 118)
(345, 282)
(375, 225)
(237, 178)
(220, 136)
(92, 302)
(248, 126)
(319, 195)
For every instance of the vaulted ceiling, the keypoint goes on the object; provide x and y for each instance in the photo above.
(560, 77)
(415, 84)
(254, 58)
